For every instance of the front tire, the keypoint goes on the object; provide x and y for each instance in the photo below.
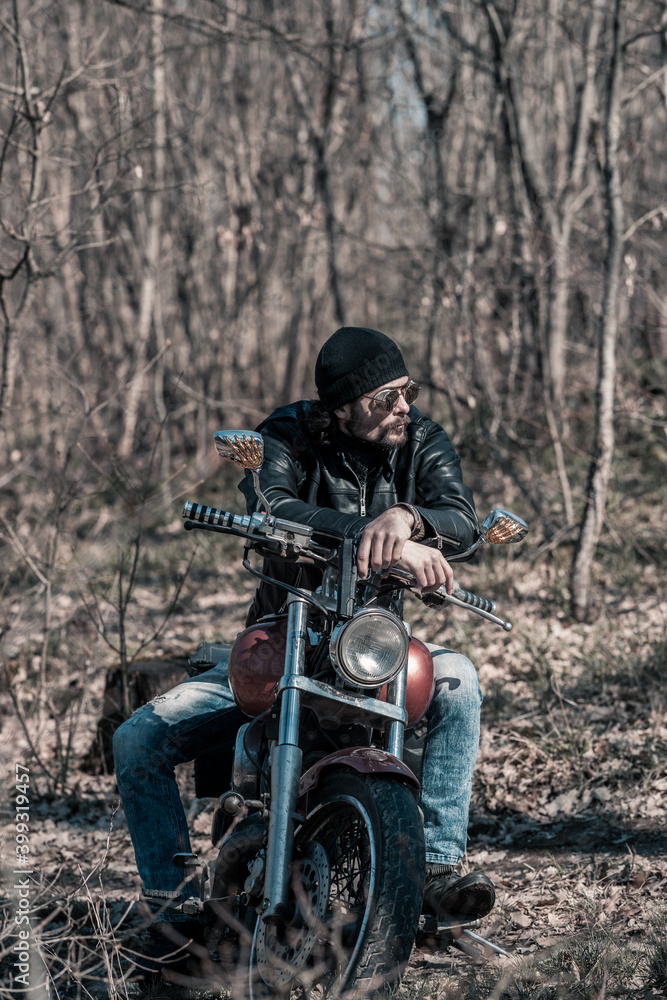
(369, 830)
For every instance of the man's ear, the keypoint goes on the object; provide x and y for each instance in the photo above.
(343, 412)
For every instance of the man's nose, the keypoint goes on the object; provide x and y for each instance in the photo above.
(401, 405)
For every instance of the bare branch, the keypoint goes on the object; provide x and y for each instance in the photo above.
(642, 220)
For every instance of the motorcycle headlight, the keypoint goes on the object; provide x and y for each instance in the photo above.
(369, 649)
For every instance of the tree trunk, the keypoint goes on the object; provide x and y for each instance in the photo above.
(149, 283)
(600, 469)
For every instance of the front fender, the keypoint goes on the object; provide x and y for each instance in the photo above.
(366, 760)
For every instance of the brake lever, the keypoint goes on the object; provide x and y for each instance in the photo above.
(440, 597)
(437, 600)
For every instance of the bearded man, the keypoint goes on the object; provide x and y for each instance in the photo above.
(363, 462)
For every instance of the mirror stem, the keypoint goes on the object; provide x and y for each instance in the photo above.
(260, 495)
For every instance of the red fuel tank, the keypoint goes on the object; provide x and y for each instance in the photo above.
(421, 681)
(256, 664)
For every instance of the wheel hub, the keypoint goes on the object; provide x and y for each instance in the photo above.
(283, 951)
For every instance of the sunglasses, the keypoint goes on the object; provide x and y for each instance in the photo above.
(386, 399)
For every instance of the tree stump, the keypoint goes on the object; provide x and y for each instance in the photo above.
(147, 678)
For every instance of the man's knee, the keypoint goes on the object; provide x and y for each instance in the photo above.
(125, 747)
(456, 678)
(135, 743)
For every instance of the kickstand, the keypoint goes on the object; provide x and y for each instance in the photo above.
(468, 948)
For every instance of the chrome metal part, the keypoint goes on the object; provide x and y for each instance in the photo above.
(222, 518)
(254, 884)
(185, 859)
(451, 599)
(288, 534)
(342, 707)
(258, 492)
(485, 942)
(285, 769)
(396, 693)
(371, 634)
(295, 665)
(473, 600)
(501, 527)
(244, 769)
(285, 774)
(191, 906)
(327, 589)
(231, 803)
(244, 448)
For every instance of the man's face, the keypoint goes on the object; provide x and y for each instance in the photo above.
(363, 420)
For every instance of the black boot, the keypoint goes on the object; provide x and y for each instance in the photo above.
(451, 897)
(175, 949)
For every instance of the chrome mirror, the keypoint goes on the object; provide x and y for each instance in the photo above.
(500, 527)
(245, 448)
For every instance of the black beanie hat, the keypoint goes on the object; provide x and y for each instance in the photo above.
(353, 361)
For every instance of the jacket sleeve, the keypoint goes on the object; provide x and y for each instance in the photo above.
(441, 496)
(284, 470)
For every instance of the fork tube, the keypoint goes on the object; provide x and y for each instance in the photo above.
(285, 772)
(396, 695)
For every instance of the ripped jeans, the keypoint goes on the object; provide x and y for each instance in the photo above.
(200, 715)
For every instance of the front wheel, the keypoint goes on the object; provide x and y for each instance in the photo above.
(357, 887)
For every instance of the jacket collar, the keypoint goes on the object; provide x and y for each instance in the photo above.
(387, 460)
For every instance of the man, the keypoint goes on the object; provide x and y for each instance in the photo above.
(361, 461)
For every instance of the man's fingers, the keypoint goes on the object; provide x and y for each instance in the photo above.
(362, 556)
(382, 541)
(381, 552)
(429, 567)
(379, 549)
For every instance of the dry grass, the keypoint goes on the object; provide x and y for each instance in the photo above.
(569, 814)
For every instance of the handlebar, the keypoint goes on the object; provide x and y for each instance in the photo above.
(297, 539)
(464, 599)
(221, 518)
(474, 600)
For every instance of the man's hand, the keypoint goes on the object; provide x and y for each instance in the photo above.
(385, 542)
(428, 566)
(382, 541)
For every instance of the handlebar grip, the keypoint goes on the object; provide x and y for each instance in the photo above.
(211, 515)
(475, 601)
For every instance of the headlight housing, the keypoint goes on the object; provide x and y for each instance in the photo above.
(369, 649)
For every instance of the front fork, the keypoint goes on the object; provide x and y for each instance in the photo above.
(286, 764)
(287, 760)
(396, 693)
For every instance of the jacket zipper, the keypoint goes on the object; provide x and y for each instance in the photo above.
(361, 482)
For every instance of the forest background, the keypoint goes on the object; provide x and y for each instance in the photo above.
(193, 196)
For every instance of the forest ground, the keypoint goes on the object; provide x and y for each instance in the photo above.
(569, 811)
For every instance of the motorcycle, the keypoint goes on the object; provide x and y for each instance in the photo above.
(319, 877)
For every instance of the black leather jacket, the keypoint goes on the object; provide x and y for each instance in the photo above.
(316, 484)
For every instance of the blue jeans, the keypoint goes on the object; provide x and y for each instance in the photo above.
(190, 719)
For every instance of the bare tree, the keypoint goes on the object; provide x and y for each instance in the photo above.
(150, 218)
(601, 465)
(194, 197)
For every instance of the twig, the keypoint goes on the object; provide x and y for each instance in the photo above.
(20, 548)
(21, 717)
(646, 217)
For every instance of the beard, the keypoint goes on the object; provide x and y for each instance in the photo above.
(386, 438)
